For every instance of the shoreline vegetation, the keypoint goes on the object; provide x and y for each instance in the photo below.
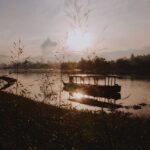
(133, 66)
(27, 124)
(136, 66)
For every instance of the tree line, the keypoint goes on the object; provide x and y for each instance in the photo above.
(136, 65)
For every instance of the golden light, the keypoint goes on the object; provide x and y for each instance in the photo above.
(79, 40)
(78, 95)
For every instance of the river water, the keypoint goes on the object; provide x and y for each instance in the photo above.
(133, 92)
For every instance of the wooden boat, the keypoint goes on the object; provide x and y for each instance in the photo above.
(9, 82)
(84, 83)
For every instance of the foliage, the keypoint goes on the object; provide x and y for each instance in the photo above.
(15, 58)
(46, 88)
(77, 12)
(136, 65)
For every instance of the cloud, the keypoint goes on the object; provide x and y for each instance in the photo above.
(48, 48)
(48, 43)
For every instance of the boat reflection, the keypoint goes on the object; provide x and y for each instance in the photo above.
(103, 102)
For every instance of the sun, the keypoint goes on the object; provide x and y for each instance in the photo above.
(79, 40)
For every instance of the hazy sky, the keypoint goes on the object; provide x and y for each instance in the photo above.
(113, 24)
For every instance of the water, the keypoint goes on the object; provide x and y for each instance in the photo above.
(133, 92)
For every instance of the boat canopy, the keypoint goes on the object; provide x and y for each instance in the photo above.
(110, 80)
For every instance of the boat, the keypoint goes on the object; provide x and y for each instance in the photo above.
(90, 84)
(8, 82)
(93, 90)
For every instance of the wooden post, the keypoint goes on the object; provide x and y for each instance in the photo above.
(71, 79)
(89, 80)
(111, 81)
(114, 80)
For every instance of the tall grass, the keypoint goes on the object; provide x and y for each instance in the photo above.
(78, 13)
(15, 59)
(46, 88)
(16, 53)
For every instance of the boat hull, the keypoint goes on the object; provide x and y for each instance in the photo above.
(9, 82)
(110, 92)
(97, 88)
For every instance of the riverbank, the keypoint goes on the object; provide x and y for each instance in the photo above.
(26, 124)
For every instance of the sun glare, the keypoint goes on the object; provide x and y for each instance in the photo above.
(78, 40)
(78, 95)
